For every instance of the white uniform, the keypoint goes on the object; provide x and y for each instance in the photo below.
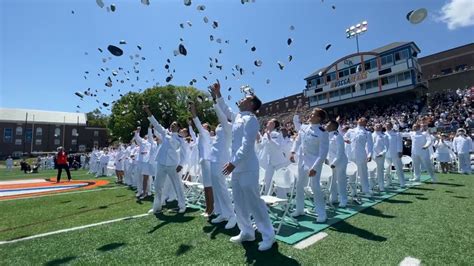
(204, 148)
(361, 149)
(312, 145)
(462, 146)
(168, 158)
(381, 146)
(337, 158)
(120, 159)
(83, 161)
(103, 162)
(273, 158)
(220, 155)
(419, 154)
(395, 146)
(247, 201)
(9, 164)
(442, 151)
(143, 158)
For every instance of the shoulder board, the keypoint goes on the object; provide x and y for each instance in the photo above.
(322, 129)
(336, 133)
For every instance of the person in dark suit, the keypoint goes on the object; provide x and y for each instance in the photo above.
(62, 163)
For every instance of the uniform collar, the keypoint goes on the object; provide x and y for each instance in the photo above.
(246, 113)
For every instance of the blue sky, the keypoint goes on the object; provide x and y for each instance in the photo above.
(43, 45)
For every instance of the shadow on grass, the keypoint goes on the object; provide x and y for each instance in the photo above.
(449, 191)
(377, 213)
(460, 197)
(110, 246)
(449, 184)
(66, 201)
(178, 218)
(421, 188)
(60, 261)
(269, 257)
(421, 198)
(411, 194)
(214, 229)
(397, 201)
(183, 249)
(344, 227)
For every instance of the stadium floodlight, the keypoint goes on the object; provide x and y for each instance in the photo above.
(356, 30)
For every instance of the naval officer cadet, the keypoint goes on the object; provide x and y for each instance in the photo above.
(244, 167)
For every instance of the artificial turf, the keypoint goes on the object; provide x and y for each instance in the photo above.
(431, 222)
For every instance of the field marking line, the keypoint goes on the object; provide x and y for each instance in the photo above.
(62, 193)
(310, 240)
(410, 261)
(73, 229)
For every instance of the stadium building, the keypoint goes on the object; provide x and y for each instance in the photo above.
(389, 73)
(33, 131)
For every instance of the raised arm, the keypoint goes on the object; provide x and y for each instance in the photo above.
(297, 122)
(216, 92)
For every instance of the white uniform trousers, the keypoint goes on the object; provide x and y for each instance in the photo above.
(397, 162)
(222, 200)
(162, 173)
(206, 173)
(139, 178)
(418, 160)
(338, 184)
(301, 183)
(379, 171)
(464, 166)
(248, 203)
(102, 170)
(363, 173)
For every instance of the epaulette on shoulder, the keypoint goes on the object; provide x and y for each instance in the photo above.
(322, 129)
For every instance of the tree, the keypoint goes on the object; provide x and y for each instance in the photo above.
(97, 119)
(167, 104)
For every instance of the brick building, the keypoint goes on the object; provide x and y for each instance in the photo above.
(28, 131)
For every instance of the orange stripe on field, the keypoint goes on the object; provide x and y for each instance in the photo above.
(91, 184)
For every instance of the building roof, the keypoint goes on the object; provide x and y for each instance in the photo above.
(377, 50)
(40, 116)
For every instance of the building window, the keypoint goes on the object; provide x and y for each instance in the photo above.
(96, 133)
(287, 104)
(28, 135)
(74, 142)
(353, 70)
(294, 102)
(39, 131)
(38, 141)
(403, 76)
(333, 94)
(387, 59)
(401, 55)
(19, 131)
(388, 80)
(7, 135)
(331, 76)
(57, 132)
(56, 142)
(371, 64)
(17, 141)
(74, 132)
(96, 143)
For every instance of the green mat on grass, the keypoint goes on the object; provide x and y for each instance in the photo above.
(291, 234)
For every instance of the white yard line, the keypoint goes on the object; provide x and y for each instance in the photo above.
(310, 240)
(64, 193)
(409, 261)
(73, 229)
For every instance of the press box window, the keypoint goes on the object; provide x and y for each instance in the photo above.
(370, 64)
(386, 59)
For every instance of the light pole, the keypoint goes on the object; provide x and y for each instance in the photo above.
(356, 30)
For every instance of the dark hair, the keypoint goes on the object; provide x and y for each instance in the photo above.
(321, 113)
(334, 122)
(256, 103)
(276, 123)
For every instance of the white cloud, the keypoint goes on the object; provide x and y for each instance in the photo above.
(458, 13)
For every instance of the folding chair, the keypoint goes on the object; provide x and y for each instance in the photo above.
(285, 179)
(406, 161)
(193, 191)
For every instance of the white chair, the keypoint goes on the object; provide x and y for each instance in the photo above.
(351, 169)
(261, 179)
(406, 161)
(285, 179)
(193, 191)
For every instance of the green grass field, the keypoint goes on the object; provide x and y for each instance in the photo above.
(431, 222)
